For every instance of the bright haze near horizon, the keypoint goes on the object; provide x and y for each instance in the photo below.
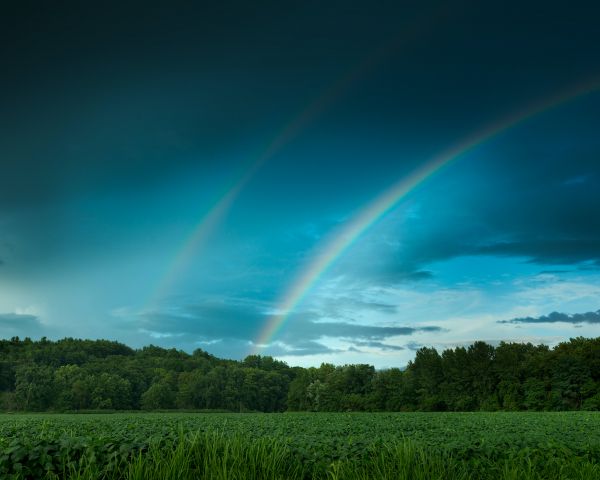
(168, 175)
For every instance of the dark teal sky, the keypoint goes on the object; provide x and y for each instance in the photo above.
(123, 126)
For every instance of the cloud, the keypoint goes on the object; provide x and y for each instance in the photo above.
(418, 275)
(555, 272)
(345, 330)
(546, 251)
(379, 345)
(414, 346)
(233, 324)
(396, 274)
(341, 303)
(512, 210)
(548, 291)
(300, 348)
(577, 180)
(17, 319)
(556, 317)
(17, 324)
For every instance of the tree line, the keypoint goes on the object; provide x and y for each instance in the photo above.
(72, 374)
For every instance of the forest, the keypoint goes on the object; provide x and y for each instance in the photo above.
(88, 375)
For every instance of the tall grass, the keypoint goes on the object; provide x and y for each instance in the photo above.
(402, 461)
(407, 461)
(216, 455)
(207, 455)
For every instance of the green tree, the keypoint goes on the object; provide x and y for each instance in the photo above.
(297, 396)
(68, 380)
(160, 395)
(110, 392)
(428, 376)
(456, 387)
(34, 389)
(569, 379)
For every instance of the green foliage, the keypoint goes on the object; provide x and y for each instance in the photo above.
(71, 375)
(34, 387)
(484, 446)
(160, 395)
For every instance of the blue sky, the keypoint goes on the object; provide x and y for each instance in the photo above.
(124, 128)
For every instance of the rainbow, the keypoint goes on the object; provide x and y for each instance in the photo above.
(222, 205)
(336, 245)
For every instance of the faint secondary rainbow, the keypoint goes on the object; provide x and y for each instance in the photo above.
(351, 231)
(222, 205)
(215, 215)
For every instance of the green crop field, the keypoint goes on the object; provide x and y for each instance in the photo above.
(290, 445)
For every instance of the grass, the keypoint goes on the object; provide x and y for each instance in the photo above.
(218, 456)
(476, 446)
(206, 455)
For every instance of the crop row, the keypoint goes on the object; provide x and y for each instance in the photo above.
(33, 445)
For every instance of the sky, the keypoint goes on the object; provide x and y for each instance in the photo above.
(339, 182)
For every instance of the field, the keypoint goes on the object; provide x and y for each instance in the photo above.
(301, 445)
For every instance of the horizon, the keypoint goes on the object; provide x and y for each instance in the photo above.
(340, 183)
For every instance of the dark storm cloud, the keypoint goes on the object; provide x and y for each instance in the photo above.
(119, 96)
(120, 99)
(540, 217)
(556, 317)
(239, 321)
(122, 124)
(515, 211)
(15, 324)
(548, 225)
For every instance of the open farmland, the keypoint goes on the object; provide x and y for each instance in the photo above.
(318, 445)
